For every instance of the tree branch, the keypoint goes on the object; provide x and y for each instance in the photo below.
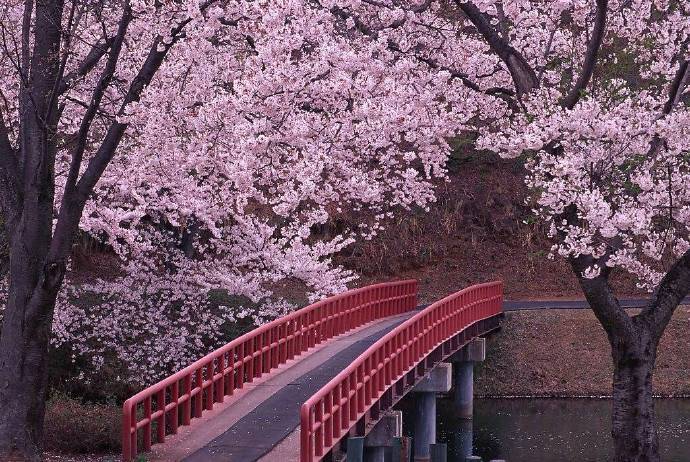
(93, 107)
(90, 61)
(602, 300)
(680, 82)
(674, 286)
(505, 94)
(678, 86)
(591, 57)
(523, 75)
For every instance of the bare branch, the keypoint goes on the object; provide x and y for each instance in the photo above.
(591, 57)
(71, 24)
(26, 34)
(505, 94)
(502, 20)
(680, 82)
(547, 52)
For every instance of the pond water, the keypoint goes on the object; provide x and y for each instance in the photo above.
(551, 430)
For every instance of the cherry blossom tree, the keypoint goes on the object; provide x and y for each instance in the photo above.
(595, 97)
(205, 143)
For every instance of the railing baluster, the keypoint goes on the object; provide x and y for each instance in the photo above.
(219, 385)
(175, 411)
(198, 397)
(318, 434)
(328, 424)
(210, 372)
(259, 348)
(160, 421)
(147, 426)
(230, 379)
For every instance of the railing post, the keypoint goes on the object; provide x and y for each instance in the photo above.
(230, 381)
(127, 432)
(318, 433)
(240, 370)
(259, 349)
(353, 405)
(306, 437)
(345, 406)
(328, 424)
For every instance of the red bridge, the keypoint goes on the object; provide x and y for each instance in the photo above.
(310, 385)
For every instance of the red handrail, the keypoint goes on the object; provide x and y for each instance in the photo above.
(328, 415)
(207, 381)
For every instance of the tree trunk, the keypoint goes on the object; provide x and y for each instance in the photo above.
(633, 425)
(24, 342)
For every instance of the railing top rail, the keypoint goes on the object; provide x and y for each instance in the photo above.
(333, 383)
(162, 384)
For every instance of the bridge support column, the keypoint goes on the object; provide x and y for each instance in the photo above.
(463, 368)
(437, 381)
(382, 436)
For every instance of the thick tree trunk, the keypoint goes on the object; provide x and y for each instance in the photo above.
(634, 341)
(24, 342)
(633, 425)
(22, 396)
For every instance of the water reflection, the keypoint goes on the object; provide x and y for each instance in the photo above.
(552, 430)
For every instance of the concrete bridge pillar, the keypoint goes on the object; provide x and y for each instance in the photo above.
(437, 381)
(382, 436)
(463, 368)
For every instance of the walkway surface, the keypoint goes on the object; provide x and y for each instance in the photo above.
(518, 305)
(256, 419)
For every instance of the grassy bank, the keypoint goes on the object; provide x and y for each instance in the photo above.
(565, 353)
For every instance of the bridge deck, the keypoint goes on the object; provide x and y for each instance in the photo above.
(249, 425)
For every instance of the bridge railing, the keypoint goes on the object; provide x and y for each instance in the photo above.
(329, 414)
(174, 401)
